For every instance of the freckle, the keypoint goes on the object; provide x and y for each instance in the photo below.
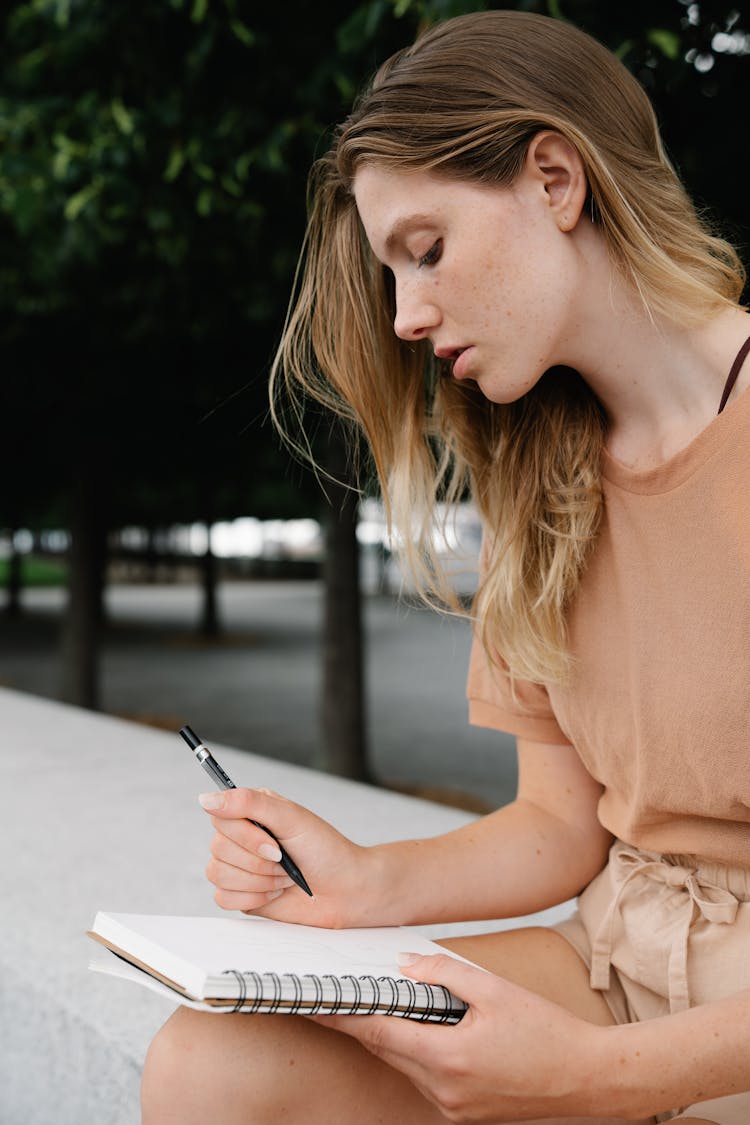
(291, 1062)
(538, 851)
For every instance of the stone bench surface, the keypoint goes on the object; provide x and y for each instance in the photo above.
(101, 814)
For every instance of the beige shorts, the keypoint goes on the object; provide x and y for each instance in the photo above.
(664, 933)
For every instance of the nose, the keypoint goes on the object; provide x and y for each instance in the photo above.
(416, 315)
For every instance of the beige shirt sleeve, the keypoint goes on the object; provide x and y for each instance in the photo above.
(525, 712)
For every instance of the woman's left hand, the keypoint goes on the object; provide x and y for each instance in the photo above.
(513, 1057)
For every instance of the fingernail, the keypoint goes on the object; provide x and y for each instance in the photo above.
(270, 851)
(272, 895)
(406, 959)
(212, 800)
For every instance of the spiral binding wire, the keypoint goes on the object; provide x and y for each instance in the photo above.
(431, 1003)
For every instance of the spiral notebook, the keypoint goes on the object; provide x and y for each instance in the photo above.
(251, 964)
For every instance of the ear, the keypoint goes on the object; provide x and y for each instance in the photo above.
(556, 166)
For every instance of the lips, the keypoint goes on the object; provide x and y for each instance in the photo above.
(448, 353)
(458, 357)
(462, 362)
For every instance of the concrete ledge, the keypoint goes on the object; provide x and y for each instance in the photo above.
(101, 814)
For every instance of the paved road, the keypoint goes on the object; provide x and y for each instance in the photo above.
(257, 688)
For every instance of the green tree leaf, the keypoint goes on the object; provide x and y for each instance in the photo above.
(666, 41)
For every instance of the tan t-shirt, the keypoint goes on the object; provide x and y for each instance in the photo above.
(659, 704)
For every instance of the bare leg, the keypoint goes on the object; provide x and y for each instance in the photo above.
(264, 1070)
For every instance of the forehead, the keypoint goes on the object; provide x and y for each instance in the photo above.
(391, 185)
(390, 202)
(393, 203)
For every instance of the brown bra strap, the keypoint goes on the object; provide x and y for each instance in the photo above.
(732, 377)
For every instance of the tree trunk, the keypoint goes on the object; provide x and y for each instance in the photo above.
(152, 557)
(15, 581)
(343, 744)
(84, 612)
(210, 626)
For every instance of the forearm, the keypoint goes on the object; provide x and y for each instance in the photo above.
(515, 861)
(646, 1068)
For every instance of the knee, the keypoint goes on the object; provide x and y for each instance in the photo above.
(168, 1092)
(195, 1069)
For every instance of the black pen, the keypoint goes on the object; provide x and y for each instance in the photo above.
(224, 781)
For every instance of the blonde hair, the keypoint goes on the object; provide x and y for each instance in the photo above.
(464, 102)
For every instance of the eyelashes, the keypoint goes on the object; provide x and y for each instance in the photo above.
(432, 257)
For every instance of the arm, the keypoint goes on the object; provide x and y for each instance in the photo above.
(539, 850)
(677, 1060)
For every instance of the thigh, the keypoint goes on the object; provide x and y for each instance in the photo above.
(259, 1070)
(542, 961)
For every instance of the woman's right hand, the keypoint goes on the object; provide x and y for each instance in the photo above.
(247, 876)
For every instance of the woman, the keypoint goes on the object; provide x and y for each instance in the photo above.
(565, 330)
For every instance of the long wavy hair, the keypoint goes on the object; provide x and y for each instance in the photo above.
(464, 102)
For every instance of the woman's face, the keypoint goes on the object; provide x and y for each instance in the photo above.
(486, 274)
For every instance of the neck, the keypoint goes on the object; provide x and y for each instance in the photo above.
(660, 383)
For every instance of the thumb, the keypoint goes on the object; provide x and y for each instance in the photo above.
(260, 805)
(465, 980)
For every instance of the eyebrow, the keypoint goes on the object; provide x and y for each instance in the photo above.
(405, 224)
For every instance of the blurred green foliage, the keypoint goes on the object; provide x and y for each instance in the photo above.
(36, 572)
(153, 160)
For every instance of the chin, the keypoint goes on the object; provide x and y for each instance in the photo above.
(503, 396)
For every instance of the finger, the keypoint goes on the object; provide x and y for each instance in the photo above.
(231, 878)
(226, 850)
(248, 901)
(281, 816)
(468, 982)
(400, 1043)
(248, 837)
(382, 1035)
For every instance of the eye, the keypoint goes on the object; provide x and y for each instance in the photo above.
(432, 257)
